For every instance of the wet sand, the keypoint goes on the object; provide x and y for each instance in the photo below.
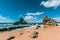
(47, 33)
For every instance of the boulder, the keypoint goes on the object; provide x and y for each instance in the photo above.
(34, 34)
(3, 29)
(10, 38)
(38, 26)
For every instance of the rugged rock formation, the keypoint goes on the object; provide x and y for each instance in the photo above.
(3, 29)
(21, 21)
(49, 21)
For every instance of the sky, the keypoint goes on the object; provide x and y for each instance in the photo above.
(30, 10)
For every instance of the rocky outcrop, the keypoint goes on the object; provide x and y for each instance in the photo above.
(21, 21)
(3, 29)
(49, 21)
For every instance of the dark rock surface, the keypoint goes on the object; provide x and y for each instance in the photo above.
(10, 38)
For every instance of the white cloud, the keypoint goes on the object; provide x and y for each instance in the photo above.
(32, 17)
(38, 21)
(51, 3)
(57, 19)
(5, 20)
(28, 17)
(37, 13)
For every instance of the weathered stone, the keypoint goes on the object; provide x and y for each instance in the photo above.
(21, 33)
(38, 27)
(10, 38)
(49, 21)
(34, 35)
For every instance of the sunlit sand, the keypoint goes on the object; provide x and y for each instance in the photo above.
(49, 33)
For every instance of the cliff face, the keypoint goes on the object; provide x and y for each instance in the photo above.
(21, 21)
(49, 21)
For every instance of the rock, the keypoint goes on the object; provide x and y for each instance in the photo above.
(3, 29)
(34, 35)
(56, 24)
(10, 38)
(21, 33)
(38, 27)
(49, 21)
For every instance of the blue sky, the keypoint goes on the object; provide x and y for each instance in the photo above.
(30, 10)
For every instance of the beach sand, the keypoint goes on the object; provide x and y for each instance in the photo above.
(47, 33)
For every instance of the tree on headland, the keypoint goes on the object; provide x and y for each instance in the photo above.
(21, 21)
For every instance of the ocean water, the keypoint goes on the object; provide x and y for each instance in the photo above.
(11, 25)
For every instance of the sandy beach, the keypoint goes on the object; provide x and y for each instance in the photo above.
(29, 19)
(48, 33)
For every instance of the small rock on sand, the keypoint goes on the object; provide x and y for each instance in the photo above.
(10, 38)
(34, 34)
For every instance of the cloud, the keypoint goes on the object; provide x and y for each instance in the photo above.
(38, 21)
(28, 17)
(34, 14)
(5, 20)
(51, 3)
(57, 18)
(32, 19)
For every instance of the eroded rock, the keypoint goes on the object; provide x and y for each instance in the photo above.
(10, 38)
(34, 34)
(38, 27)
(49, 21)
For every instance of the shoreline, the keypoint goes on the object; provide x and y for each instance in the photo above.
(44, 34)
(16, 28)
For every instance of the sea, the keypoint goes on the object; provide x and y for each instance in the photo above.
(7, 25)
